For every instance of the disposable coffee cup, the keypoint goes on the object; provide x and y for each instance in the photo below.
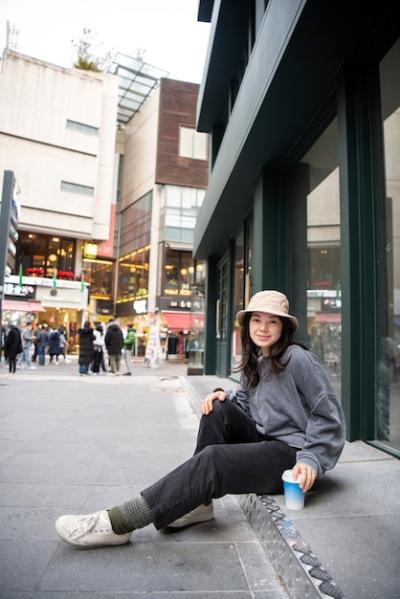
(294, 496)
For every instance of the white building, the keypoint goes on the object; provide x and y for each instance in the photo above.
(57, 134)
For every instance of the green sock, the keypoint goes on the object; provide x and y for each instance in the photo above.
(132, 514)
(117, 520)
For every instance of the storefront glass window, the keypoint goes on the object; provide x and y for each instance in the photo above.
(133, 275)
(44, 256)
(178, 273)
(324, 301)
(179, 210)
(98, 273)
(388, 398)
(238, 297)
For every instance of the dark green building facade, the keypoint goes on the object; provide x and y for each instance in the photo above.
(302, 102)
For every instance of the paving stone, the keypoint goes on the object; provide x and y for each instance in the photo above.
(43, 495)
(23, 564)
(27, 523)
(153, 595)
(376, 539)
(148, 567)
(260, 573)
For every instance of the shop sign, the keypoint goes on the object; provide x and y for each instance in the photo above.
(140, 306)
(15, 290)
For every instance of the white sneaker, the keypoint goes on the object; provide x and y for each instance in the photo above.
(203, 513)
(32, 367)
(91, 530)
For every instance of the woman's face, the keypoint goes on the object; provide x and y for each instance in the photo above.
(265, 330)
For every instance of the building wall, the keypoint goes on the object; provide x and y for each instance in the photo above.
(140, 147)
(36, 100)
(177, 108)
(305, 162)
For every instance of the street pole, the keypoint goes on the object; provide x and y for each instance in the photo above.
(5, 217)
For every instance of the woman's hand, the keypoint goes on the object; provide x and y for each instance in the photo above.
(207, 405)
(305, 476)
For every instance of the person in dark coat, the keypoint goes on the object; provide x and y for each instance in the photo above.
(114, 341)
(42, 343)
(54, 345)
(12, 347)
(86, 338)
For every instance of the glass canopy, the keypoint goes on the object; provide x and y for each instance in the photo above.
(137, 80)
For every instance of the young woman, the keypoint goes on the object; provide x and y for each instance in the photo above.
(285, 415)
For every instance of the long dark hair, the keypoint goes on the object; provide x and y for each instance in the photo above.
(251, 352)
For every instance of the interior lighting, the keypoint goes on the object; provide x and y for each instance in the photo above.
(55, 239)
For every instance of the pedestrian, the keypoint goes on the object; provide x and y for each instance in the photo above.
(12, 347)
(62, 332)
(36, 331)
(54, 345)
(42, 343)
(98, 347)
(114, 341)
(284, 415)
(86, 338)
(27, 339)
(129, 344)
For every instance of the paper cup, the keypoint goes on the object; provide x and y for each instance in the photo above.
(294, 496)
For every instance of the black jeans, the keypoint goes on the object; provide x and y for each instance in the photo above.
(231, 457)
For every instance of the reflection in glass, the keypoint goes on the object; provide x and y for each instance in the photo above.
(238, 297)
(98, 273)
(388, 373)
(179, 209)
(133, 275)
(324, 302)
(44, 255)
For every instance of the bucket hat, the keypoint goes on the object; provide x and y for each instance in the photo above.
(271, 302)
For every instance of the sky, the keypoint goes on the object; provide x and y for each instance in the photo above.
(167, 31)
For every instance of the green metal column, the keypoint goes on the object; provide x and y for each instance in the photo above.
(269, 235)
(357, 149)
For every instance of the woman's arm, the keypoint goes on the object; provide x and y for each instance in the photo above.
(325, 429)
(238, 397)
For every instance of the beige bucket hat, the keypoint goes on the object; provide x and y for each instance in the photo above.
(271, 302)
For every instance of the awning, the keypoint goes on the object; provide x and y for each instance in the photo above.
(21, 306)
(333, 318)
(184, 321)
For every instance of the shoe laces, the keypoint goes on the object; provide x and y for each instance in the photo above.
(87, 524)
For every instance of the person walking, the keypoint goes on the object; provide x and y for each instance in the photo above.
(54, 345)
(42, 343)
(86, 338)
(12, 347)
(27, 340)
(62, 332)
(129, 344)
(284, 415)
(114, 341)
(98, 347)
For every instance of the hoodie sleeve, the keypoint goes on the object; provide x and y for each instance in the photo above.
(240, 397)
(325, 430)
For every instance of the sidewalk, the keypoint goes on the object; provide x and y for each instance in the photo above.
(346, 542)
(78, 444)
(70, 443)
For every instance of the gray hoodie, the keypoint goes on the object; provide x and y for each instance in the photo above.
(297, 406)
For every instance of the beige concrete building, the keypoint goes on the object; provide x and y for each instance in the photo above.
(57, 134)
